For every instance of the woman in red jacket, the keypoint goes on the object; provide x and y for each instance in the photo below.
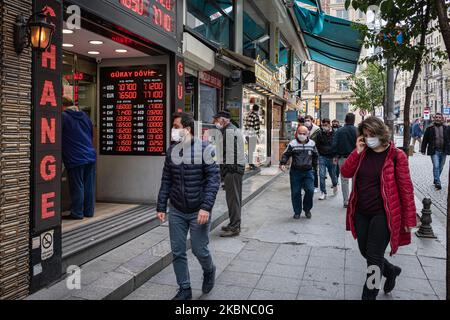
(381, 208)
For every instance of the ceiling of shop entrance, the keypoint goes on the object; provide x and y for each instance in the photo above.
(80, 42)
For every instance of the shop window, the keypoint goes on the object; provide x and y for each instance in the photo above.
(341, 110)
(213, 20)
(256, 33)
(297, 75)
(208, 103)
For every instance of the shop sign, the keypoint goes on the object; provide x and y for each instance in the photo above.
(282, 74)
(267, 78)
(210, 79)
(46, 115)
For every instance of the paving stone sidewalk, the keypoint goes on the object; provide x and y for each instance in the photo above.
(277, 257)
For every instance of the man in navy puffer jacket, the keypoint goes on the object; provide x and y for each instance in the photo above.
(191, 181)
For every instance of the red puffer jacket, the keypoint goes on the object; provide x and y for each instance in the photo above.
(397, 191)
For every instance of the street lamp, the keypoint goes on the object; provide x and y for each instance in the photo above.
(35, 31)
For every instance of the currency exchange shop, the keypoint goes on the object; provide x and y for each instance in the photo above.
(119, 65)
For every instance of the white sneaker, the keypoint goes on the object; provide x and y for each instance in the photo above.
(323, 196)
(335, 190)
(316, 190)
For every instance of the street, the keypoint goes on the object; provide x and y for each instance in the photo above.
(277, 257)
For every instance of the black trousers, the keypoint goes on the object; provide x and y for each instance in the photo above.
(373, 238)
(233, 195)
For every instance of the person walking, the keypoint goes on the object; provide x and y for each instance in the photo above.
(335, 125)
(381, 209)
(324, 143)
(252, 128)
(343, 144)
(416, 134)
(313, 132)
(232, 168)
(436, 144)
(79, 157)
(191, 186)
(304, 156)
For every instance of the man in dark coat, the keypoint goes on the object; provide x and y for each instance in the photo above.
(191, 182)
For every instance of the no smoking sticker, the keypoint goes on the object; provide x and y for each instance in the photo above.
(47, 245)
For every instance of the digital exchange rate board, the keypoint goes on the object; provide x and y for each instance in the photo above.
(133, 110)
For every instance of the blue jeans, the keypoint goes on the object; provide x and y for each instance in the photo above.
(82, 190)
(302, 180)
(324, 164)
(438, 159)
(179, 225)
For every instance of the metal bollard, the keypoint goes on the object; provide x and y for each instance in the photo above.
(425, 230)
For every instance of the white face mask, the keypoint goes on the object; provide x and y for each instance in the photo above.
(302, 137)
(177, 135)
(373, 142)
(308, 123)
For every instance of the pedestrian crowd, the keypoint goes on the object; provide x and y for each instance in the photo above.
(377, 191)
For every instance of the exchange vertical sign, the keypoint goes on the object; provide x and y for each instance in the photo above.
(46, 148)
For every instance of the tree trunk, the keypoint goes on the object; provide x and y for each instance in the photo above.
(444, 22)
(410, 89)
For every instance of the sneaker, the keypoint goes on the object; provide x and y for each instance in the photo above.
(71, 217)
(438, 186)
(390, 279)
(230, 233)
(316, 190)
(308, 214)
(296, 216)
(183, 294)
(209, 279)
(335, 190)
(226, 228)
(323, 196)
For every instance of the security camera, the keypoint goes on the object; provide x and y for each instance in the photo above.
(99, 60)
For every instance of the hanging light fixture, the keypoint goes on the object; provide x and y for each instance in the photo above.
(36, 32)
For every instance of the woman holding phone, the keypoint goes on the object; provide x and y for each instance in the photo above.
(381, 207)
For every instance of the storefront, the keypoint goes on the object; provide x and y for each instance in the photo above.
(119, 63)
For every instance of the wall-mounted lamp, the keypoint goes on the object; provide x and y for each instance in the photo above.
(35, 31)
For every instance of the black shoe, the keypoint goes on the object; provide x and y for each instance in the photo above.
(345, 205)
(308, 214)
(183, 294)
(390, 279)
(226, 228)
(230, 233)
(438, 186)
(296, 216)
(209, 279)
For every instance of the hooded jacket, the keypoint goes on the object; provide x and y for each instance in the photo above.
(77, 139)
(397, 192)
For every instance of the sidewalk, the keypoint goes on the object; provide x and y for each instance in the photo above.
(277, 257)
(119, 272)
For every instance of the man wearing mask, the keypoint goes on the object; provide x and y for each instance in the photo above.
(252, 126)
(324, 143)
(436, 143)
(344, 142)
(313, 132)
(335, 125)
(304, 156)
(191, 186)
(230, 155)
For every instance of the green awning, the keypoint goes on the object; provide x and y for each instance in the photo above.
(331, 41)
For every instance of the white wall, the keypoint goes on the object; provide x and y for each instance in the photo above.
(131, 179)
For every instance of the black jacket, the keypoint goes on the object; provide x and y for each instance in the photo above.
(429, 140)
(344, 140)
(236, 147)
(192, 184)
(304, 156)
(324, 143)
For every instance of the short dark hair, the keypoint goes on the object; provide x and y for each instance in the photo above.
(350, 118)
(438, 114)
(326, 120)
(187, 120)
(67, 102)
(309, 117)
(255, 107)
